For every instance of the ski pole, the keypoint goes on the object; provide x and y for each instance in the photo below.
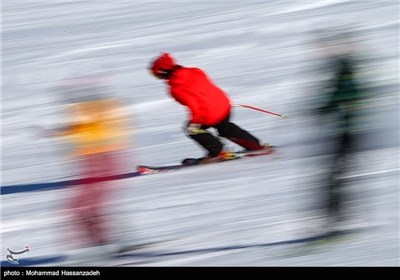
(259, 109)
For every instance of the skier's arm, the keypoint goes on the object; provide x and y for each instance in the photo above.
(186, 98)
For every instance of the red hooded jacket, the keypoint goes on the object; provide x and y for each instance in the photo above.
(207, 103)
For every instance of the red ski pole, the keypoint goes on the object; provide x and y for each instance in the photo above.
(259, 109)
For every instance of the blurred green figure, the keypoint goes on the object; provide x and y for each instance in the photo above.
(339, 112)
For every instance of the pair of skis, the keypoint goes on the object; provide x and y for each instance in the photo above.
(146, 170)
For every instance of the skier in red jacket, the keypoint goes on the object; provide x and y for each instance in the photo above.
(209, 106)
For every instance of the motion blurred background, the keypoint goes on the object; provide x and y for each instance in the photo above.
(267, 211)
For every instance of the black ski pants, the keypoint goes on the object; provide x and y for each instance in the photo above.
(227, 130)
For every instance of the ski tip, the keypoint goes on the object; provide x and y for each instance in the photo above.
(143, 170)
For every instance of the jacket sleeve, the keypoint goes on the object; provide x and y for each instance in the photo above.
(187, 98)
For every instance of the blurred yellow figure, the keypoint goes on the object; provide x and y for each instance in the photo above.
(97, 126)
(99, 130)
